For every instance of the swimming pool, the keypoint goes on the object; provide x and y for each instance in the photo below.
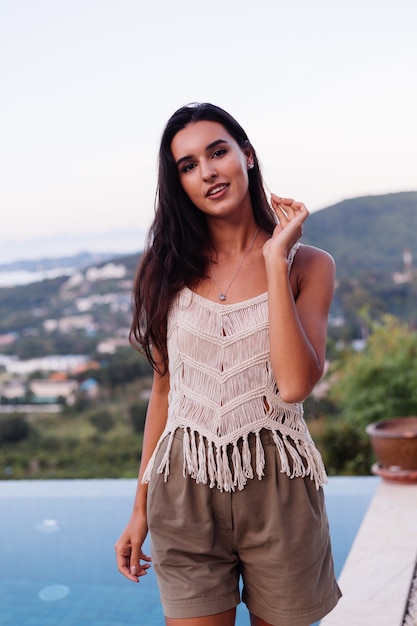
(57, 565)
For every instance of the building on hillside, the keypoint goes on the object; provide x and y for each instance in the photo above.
(84, 367)
(115, 301)
(110, 345)
(407, 274)
(51, 391)
(7, 339)
(5, 361)
(106, 272)
(13, 392)
(76, 280)
(52, 363)
(71, 322)
(90, 388)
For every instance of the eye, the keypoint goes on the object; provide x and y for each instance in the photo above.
(218, 153)
(187, 167)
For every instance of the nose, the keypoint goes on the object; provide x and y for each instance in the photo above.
(208, 171)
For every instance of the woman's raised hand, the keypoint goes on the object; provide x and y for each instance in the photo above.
(291, 216)
(128, 547)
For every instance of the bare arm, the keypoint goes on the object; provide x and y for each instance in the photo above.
(128, 547)
(298, 309)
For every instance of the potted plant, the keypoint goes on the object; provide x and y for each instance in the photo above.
(394, 442)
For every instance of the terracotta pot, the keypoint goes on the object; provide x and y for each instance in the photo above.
(394, 442)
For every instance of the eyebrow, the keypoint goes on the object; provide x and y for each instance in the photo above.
(208, 148)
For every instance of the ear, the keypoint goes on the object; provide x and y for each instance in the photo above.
(248, 152)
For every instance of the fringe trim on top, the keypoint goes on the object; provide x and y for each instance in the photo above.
(212, 464)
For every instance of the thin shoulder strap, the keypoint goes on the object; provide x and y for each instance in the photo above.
(292, 254)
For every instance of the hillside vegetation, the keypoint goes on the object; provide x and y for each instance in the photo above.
(366, 235)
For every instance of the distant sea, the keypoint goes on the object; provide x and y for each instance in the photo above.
(40, 258)
(13, 278)
(70, 244)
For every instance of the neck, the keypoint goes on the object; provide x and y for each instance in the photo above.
(222, 294)
(232, 242)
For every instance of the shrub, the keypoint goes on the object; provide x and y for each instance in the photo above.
(380, 382)
(102, 420)
(13, 428)
(346, 449)
(137, 412)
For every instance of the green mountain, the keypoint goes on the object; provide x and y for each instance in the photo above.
(367, 235)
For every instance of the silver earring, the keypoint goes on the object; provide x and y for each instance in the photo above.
(250, 166)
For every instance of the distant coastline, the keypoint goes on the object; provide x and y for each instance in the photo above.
(14, 278)
(30, 271)
(16, 254)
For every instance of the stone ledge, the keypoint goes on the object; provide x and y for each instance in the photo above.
(378, 572)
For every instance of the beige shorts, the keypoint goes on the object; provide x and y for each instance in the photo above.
(272, 538)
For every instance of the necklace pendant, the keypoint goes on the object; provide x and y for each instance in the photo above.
(222, 295)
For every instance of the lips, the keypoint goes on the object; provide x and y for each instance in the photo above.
(216, 189)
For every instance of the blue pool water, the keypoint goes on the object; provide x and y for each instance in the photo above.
(57, 565)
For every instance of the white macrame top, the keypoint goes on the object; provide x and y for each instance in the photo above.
(222, 389)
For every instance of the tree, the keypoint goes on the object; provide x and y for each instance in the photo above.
(379, 382)
(375, 384)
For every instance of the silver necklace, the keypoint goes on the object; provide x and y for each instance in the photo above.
(223, 294)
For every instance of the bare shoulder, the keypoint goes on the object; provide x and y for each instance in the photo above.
(315, 267)
(310, 254)
(309, 258)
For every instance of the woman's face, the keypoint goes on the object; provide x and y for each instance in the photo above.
(213, 168)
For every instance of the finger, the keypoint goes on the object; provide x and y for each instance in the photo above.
(134, 561)
(145, 557)
(296, 206)
(141, 568)
(136, 572)
(136, 567)
(123, 562)
(289, 207)
(126, 571)
(278, 208)
(276, 200)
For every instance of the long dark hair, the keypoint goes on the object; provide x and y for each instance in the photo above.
(175, 253)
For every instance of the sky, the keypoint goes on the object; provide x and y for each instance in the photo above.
(326, 90)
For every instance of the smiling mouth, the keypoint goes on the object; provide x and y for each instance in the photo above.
(217, 189)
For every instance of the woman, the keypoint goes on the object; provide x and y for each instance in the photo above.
(231, 311)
